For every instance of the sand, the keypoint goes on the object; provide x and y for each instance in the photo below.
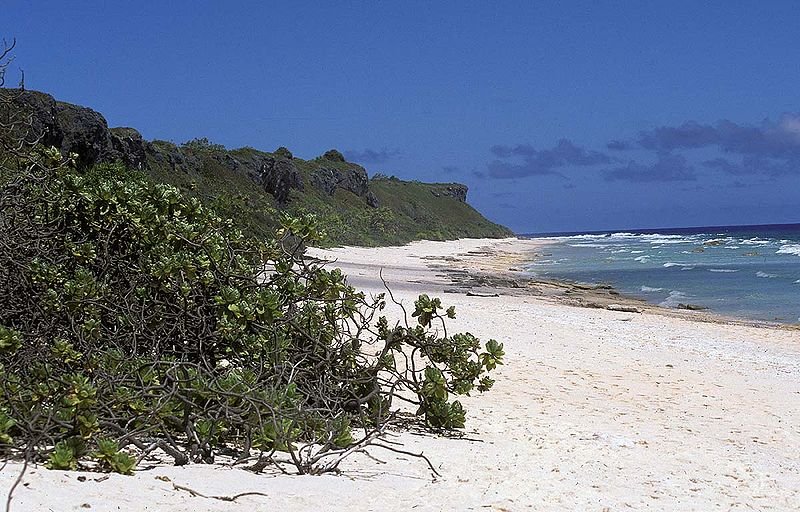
(593, 410)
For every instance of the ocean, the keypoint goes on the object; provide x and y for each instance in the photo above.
(750, 272)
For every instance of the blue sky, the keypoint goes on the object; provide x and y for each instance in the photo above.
(560, 116)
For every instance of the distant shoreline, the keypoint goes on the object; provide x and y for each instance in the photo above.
(735, 291)
(492, 266)
(669, 230)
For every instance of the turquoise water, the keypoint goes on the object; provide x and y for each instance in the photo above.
(746, 271)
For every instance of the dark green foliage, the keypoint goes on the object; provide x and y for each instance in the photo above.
(6, 424)
(420, 214)
(10, 340)
(135, 318)
(203, 144)
(284, 153)
(407, 210)
(110, 457)
(333, 155)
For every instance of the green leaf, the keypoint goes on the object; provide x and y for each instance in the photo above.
(62, 457)
(10, 340)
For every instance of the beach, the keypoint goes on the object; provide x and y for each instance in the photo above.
(604, 403)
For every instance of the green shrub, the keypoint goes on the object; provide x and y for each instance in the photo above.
(110, 457)
(284, 152)
(132, 317)
(63, 457)
(203, 144)
(333, 156)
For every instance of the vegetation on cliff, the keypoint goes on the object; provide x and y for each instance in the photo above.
(255, 187)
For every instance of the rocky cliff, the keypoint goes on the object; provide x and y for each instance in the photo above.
(81, 130)
(252, 183)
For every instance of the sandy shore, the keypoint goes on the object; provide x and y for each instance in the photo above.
(595, 409)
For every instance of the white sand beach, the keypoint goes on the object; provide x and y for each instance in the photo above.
(594, 410)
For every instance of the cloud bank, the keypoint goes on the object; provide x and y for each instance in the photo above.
(771, 148)
(666, 168)
(522, 160)
(775, 139)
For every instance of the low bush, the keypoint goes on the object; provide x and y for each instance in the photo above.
(133, 319)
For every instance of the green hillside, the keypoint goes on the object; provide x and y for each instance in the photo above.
(256, 187)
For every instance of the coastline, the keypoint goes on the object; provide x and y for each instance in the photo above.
(490, 266)
(594, 409)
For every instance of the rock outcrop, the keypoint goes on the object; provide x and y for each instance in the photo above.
(131, 147)
(81, 130)
(456, 190)
(278, 176)
(85, 132)
(350, 177)
(167, 155)
(71, 128)
(249, 183)
(30, 115)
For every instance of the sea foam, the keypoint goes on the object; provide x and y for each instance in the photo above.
(755, 241)
(789, 249)
(757, 277)
(675, 298)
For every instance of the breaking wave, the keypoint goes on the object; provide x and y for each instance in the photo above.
(789, 249)
(675, 298)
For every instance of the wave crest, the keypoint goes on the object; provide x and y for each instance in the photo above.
(789, 249)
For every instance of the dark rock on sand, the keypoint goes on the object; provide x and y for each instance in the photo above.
(623, 308)
(692, 307)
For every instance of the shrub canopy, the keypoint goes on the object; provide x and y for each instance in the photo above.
(133, 319)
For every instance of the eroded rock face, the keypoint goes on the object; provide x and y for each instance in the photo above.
(168, 155)
(372, 200)
(131, 147)
(352, 178)
(73, 129)
(81, 130)
(456, 190)
(278, 176)
(86, 133)
(31, 115)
